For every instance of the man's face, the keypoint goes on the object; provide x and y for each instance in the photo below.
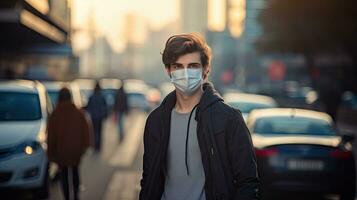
(190, 61)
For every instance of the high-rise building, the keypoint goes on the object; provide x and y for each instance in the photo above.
(243, 23)
(194, 16)
(252, 29)
(242, 20)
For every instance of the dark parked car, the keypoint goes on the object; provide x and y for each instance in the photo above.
(300, 151)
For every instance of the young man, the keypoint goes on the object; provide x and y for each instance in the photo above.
(195, 146)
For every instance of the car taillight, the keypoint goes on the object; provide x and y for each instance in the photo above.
(266, 152)
(341, 154)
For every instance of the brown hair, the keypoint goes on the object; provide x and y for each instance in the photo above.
(178, 45)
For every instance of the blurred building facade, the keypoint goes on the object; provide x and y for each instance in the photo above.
(249, 66)
(35, 39)
(194, 15)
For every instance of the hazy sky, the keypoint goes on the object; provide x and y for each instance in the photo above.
(109, 17)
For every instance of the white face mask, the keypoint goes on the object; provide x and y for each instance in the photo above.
(187, 80)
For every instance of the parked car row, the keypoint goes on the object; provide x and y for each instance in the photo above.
(139, 94)
(297, 150)
(24, 109)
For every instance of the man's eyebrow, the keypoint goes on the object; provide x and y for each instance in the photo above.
(193, 63)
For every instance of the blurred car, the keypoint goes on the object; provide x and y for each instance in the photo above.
(54, 87)
(137, 91)
(86, 87)
(165, 89)
(110, 89)
(349, 100)
(300, 151)
(24, 108)
(248, 102)
(154, 97)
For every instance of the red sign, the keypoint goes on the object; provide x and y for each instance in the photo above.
(227, 76)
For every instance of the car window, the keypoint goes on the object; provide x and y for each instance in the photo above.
(293, 125)
(85, 94)
(109, 95)
(53, 96)
(16, 106)
(246, 107)
(49, 104)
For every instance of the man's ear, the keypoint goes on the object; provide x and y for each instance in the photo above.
(206, 71)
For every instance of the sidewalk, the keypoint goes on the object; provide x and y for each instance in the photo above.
(124, 183)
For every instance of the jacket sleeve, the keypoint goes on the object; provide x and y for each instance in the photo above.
(146, 163)
(243, 160)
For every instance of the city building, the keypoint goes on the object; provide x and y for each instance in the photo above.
(194, 16)
(35, 39)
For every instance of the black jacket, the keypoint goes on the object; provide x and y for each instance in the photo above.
(226, 149)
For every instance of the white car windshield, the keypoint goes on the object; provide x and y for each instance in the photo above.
(293, 125)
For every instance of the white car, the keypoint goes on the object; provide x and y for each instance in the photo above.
(137, 91)
(54, 87)
(247, 102)
(86, 87)
(24, 108)
(110, 87)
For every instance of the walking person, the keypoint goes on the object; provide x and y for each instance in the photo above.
(196, 147)
(68, 139)
(97, 109)
(120, 110)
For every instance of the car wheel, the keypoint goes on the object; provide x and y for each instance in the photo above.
(347, 196)
(349, 186)
(349, 190)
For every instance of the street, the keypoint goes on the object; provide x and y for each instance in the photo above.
(115, 172)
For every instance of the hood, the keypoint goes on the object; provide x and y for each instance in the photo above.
(245, 117)
(16, 132)
(209, 97)
(261, 141)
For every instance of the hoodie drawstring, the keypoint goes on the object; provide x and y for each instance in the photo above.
(187, 135)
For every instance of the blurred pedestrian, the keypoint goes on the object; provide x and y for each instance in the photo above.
(97, 109)
(120, 110)
(196, 147)
(68, 139)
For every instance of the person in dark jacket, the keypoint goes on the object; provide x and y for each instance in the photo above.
(97, 109)
(120, 110)
(196, 146)
(68, 138)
